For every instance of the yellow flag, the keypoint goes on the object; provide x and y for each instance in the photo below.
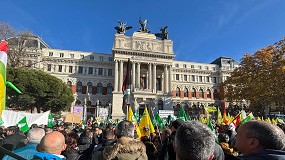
(131, 118)
(220, 117)
(258, 118)
(146, 126)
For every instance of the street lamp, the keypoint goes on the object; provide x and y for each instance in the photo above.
(97, 107)
(110, 110)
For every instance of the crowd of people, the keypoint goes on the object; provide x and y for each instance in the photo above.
(190, 140)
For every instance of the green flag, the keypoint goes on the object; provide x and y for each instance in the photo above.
(248, 118)
(1, 121)
(209, 124)
(23, 125)
(50, 121)
(181, 114)
(187, 117)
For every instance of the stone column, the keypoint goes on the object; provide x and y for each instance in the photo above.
(170, 79)
(149, 77)
(116, 72)
(154, 78)
(165, 79)
(121, 74)
(138, 75)
(133, 75)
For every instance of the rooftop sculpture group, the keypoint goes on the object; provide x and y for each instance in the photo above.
(122, 28)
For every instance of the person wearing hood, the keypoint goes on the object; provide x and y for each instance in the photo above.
(258, 140)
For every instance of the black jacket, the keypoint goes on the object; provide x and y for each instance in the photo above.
(15, 140)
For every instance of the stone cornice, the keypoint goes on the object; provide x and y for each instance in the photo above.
(144, 54)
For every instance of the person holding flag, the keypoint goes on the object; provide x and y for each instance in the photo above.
(132, 118)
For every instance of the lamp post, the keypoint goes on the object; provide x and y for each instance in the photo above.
(110, 109)
(85, 111)
(97, 107)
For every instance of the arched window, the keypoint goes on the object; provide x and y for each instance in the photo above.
(209, 93)
(177, 92)
(185, 92)
(99, 88)
(201, 93)
(79, 87)
(193, 92)
(69, 84)
(109, 88)
(89, 87)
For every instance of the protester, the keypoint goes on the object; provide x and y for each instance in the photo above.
(34, 137)
(194, 141)
(126, 148)
(71, 151)
(51, 146)
(258, 140)
(13, 139)
(167, 150)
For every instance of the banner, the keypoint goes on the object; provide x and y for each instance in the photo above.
(78, 110)
(11, 118)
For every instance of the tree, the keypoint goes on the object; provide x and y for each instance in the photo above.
(39, 90)
(20, 44)
(260, 78)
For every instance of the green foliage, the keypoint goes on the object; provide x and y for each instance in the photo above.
(39, 89)
(260, 78)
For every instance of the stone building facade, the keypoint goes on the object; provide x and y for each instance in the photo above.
(158, 81)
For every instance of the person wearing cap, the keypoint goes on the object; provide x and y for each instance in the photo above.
(167, 150)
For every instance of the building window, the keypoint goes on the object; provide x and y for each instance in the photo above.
(49, 67)
(207, 79)
(100, 72)
(200, 67)
(177, 92)
(176, 65)
(59, 68)
(193, 92)
(79, 87)
(214, 68)
(90, 70)
(201, 93)
(71, 55)
(185, 77)
(81, 56)
(109, 72)
(99, 88)
(109, 88)
(70, 69)
(192, 67)
(101, 58)
(209, 93)
(214, 79)
(80, 70)
(177, 77)
(91, 57)
(184, 66)
(185, 92)
(110, 59)
(50, 54)
(61, 54)
(193, 78)
(89, 87)
(200, 79)
(207, 68)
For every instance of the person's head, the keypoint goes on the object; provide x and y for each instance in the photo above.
(255, 136)
(195, 141)
(175, 124)
(71, 141)
(223, 137)
(48, 130)
(166, 133)
(110, 125)
(125, 129)
(35, 135)
(53, 143)
(108, 133)
(11, 130)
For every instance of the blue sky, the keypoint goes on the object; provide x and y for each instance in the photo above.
(202, 30)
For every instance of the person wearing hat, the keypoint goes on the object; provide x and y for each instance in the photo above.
(167, 150)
